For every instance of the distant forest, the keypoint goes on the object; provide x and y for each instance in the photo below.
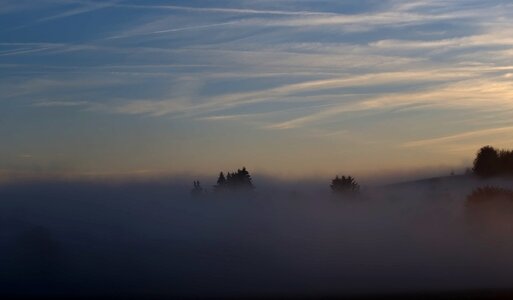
(239, 180)
(489, 162)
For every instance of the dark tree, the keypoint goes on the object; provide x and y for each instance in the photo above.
(240, 180)
(505, 162)
(486, 163)
(221, 180)
(344, 185)
(197, 190)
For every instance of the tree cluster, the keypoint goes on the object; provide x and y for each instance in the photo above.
(344, 185)
(240, 180)
(490, 162)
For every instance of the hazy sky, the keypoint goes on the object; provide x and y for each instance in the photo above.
(286, 87)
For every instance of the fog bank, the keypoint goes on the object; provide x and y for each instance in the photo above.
(154, 238)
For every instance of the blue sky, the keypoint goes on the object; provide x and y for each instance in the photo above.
(288, 88)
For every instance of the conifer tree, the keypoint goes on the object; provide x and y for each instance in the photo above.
(197, 190)
(344, 185)
(240, 180)
(221, 182)
(221, 179)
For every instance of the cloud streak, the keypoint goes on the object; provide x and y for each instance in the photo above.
(459, 137)
(227, 10)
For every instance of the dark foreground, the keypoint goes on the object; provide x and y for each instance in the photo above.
(152, 240)
(470, 294)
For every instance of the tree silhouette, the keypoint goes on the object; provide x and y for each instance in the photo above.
(197, 190)
(240, 180)
(487, 163)
(344, 185)
(491, 162)
(505, 162)
(221, 179)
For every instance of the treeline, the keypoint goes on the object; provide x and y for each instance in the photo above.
(490, 162)
(241, 181)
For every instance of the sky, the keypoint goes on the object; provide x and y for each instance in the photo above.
(290, 88)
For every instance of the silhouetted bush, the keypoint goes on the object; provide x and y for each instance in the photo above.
(240, 180)
(344, 185)
(490, 162)
(488, 194)
(490, 210)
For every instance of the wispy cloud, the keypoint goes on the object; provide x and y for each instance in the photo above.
(502, 38)
(61, 103)
(143, 107)
(170, 30)
(85, 7)
(337, 83)
(81, 7)
(227, 10)
(462, 86)
(459, 137)
(470, 94)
